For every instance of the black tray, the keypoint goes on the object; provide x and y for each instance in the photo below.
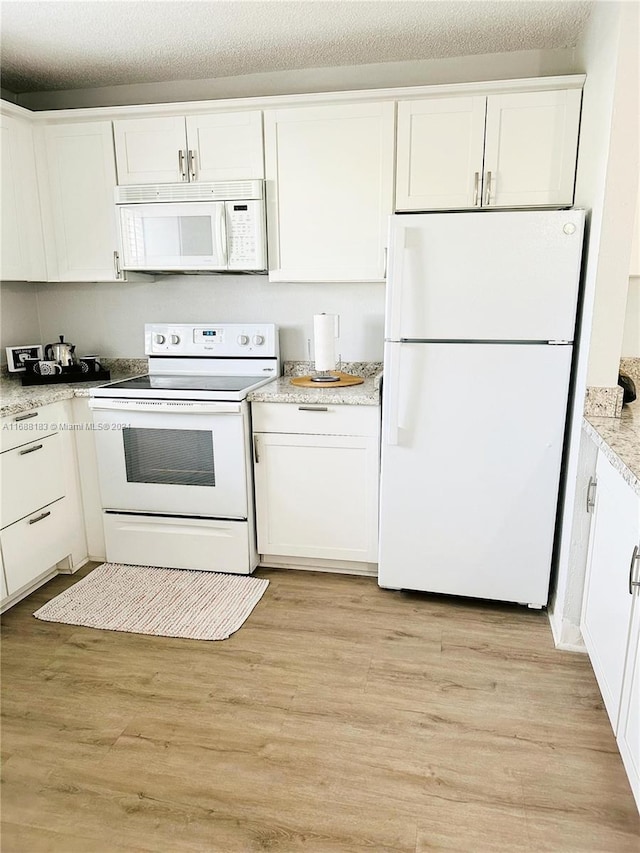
(69, 374)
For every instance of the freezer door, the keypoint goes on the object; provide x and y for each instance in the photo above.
(472, 446)
(492, 275)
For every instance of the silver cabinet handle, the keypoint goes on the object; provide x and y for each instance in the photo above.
(26, 417)
(476, 188)
(183, 174)
(386, 257)
(591, 494)
(313, 409)
(635, 559)
(31, 450)
(191, 161)
(256, 455)
(116, 265)
(487, 198)
(39, 517)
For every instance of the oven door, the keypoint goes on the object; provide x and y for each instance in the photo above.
(175, 457)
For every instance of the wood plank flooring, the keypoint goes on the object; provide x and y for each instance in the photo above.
(340, 718)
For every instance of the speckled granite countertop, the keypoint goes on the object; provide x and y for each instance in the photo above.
(619, 439)
(282, 391)
(16, 398)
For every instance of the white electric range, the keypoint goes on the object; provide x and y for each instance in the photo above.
(174, 448)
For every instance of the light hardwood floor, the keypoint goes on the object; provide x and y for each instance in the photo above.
(340, 718)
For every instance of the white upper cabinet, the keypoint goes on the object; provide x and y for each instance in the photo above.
(440, 145)
(213, 147)
(329, 176)
(531, 148)
(80, 179)
(22, 248)
(512, 150)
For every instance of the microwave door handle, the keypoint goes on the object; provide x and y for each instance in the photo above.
(221, 234)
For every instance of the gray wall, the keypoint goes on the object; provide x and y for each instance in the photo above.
(19, 323)
(109, 318)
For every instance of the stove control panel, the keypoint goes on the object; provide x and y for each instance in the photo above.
(212, 340)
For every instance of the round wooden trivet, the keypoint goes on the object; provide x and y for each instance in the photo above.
(344, 380)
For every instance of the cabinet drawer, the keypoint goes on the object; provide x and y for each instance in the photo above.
(24, 427)
(35, 544)
(316, 418)
(32, 476)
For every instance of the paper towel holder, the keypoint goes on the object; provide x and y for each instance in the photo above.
(327, 360)
(330, 375)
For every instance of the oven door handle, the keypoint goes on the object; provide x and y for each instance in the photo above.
(177, 407)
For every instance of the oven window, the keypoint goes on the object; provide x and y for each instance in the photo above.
(181, 457)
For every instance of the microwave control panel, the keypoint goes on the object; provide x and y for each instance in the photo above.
(246, 235)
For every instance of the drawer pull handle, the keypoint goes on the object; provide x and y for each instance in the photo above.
(591, 494)
(39, 517)
(635, 559)
(31, 450)
(26, 417)
(313, 409)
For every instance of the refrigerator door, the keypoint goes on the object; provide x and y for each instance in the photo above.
(471, 454)
(493, 275)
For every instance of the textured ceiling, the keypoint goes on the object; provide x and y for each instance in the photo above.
(76, 45)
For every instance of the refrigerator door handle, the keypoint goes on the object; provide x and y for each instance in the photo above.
(392, 383)
(395, 283)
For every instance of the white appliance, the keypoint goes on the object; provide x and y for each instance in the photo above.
(199, 227)
(480, 320)
(174, 448)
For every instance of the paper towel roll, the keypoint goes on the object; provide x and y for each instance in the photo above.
(325, 331)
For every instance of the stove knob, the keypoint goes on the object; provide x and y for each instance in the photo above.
(258, 339)
(160, 339)
(243, 340)
(175, 339)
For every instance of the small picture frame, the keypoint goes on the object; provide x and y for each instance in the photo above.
(17, 355)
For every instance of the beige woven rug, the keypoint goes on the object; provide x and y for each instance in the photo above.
(165, 602)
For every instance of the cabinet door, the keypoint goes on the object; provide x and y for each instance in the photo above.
(226, 146)
(317, 496)
(151, 150)
(33, 545)
(22, 247)
(329, 191)
(3, 582)
(32, 475)
(14, 254)
(531, 148)
(440, 148)
(628, 733)
(81, 181)
(607, 604)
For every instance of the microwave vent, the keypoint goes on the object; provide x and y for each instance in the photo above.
(213, 191)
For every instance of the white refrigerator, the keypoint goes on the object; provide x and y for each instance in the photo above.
(479, 329)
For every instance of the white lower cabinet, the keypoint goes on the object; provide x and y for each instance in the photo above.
(316, 481)
(628, 733)
(35, 544)
(611, 609)
(3, 582)
(41, 524)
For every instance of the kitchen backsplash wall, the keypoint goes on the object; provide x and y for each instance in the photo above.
(109, 318)
(18, 315)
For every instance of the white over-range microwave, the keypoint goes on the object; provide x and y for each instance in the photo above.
(198, 227)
